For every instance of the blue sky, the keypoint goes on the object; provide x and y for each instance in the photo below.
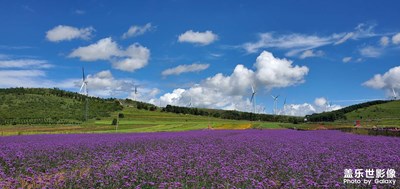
(319, 55)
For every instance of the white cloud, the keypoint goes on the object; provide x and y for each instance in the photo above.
(345, 38)
(134, 31)
(298, 109)
(233, 91)
(22, 78)
(104, 49)
(201, 38)
(311, 53)
(387, 81)
(24, 63)
(62, 33)
(321, 101)
(185, 69)
(346, 59)
(384, 41)
(361, 31)
(131, 59)
(370, 51)
(102, 84)
(172, 98)
(296, 43)
(135, 57)
(23, 72)
(320, 105)
(274, 72)
(396, 39)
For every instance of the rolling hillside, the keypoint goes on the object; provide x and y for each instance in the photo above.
(385, 113)
(50, 106)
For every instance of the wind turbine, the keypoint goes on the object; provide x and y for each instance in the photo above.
(190, 103)
(84, 91)
(394, 94)
(275, 102)
(135, 92)
(253, 98)
(283, 107)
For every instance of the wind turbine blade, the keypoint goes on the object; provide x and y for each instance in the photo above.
(284, 102)
(252, 89)
(277, 96)
(273, 96)
(252, 97)
(83, 84)
(394, 93)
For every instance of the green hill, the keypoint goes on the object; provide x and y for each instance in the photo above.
(370, 113)
(387, 114)
(50, 106)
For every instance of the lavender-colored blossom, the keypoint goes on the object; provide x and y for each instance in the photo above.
(195, 159)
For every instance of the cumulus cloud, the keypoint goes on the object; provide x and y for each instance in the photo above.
(132, 58)
(146, 95)
(103, 84)
(297, 43)
(67, 33)
(136, 57)
(396, 39)
(298, 109)
(370, 51)
(321, 101)
(388, 81)
(346, 59)
(384, 41)
(320, 105)
(311, 53)
(104, 49)
(134, 31)
(233, 91)
(185, 69)
(201, 38)
(24, 63)
(274, 72)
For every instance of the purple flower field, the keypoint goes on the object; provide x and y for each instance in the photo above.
(195, 159)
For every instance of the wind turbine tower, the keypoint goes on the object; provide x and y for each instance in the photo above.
(190, 103)
(253, 98)
(84, 91)
(275, 102)
(135, 93)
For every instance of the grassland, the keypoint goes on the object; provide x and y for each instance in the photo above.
(136, 120)
(44, 111)
(387, 114)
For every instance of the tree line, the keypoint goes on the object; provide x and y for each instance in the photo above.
(232, 114)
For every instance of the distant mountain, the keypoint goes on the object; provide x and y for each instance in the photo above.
(50, 106)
